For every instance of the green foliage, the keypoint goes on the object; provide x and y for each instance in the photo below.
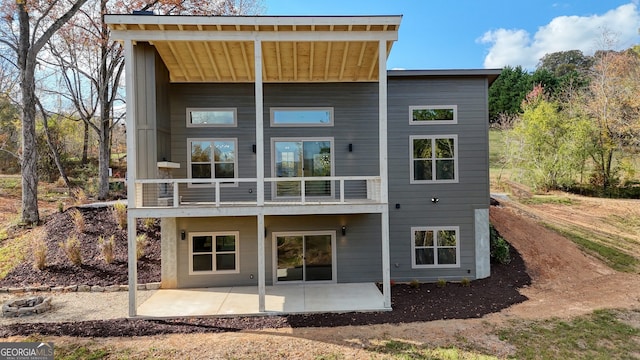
(546, 149)
(406, 350)
(441, 283)
(601, 335)
(508, 91)
(465, 282)
(415, 284)
(498, 247)
(10, 127)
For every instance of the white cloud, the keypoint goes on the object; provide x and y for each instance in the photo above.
(517, 47)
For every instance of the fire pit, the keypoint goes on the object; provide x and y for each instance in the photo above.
(28, 306)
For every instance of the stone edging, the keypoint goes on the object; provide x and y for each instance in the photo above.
(77, 288)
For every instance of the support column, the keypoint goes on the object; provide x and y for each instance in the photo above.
(257, 47)
(168, 253)
(129, 62)
(384, 178)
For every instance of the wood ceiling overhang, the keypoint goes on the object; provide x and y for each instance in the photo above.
(294, 49)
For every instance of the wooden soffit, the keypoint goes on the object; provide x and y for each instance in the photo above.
(294, 49)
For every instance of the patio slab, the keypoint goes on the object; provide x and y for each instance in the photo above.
(281, 299)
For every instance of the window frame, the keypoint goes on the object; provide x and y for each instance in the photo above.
(192, 125)
(274, 140)
(230, 182)
(304, 233)
(435, 247)
(302, 108)
(433, 107)
(433, 180)
(214, 252)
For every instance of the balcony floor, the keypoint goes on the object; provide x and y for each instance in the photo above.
(280, 299)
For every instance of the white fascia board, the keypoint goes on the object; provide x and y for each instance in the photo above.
(256, 210)
(189, 35)
(252, 20)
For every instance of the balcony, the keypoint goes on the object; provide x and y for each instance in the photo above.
(242, 192)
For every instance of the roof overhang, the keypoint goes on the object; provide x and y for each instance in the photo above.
(490, 74)
(294, 48)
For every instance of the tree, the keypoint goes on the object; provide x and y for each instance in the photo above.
(28, 26)
(548, 148)
(612, 102)
(508, 91)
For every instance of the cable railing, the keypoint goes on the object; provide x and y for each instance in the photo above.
(167, 193)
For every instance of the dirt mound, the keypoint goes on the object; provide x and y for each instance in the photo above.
(93, 271)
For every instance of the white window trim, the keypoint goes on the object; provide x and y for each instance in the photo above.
(435, 229)
(213, 252)
(274, 109)
(334, 258)
(228, 182)
(433, 107)
(303, 139)
(191, 125)
(456, 178)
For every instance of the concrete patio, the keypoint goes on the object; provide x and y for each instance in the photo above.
(281, 299)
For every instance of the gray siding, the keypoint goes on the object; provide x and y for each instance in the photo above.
(355, 122)
(358, 254)
(456, 201)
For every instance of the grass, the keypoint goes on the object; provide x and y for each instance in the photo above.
(405, 350)
(12, 252)
(616, 259)
(600, 335)
(548, 199)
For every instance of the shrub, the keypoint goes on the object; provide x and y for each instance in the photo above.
(499, 247)
(148, 223)
(60, 206)
(79, 195)
(71, 248)
(465, 282)
(141, 244)
(441, 283)
(39, 254)
(78, 220)
(414, 283)
(119, 212)
(107, 247)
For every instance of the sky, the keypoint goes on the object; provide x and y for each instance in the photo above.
(475, 34)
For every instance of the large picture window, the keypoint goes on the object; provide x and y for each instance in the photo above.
(433, 114)
(212, 159)
(434, 158)
(435, 247)
(302, 116)
(213, 253)
(211, 117)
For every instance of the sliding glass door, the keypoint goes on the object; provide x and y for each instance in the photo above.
(304, 257)
(303, 158)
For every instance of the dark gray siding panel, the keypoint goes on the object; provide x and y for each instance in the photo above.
(359, 253)
(456, 201)
(355, 122)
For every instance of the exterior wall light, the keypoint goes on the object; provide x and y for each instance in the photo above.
(344, 230)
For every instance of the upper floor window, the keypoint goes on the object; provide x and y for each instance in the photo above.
(302, 116)
(211, 117)
(212, 159)
(434, 158)
(433, 114)
(435, 247)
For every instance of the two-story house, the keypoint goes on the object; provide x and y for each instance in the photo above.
(279, 150)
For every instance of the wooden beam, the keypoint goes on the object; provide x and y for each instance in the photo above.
(372, 68)
(284, 36)
(179, 62)
(278, 61)
(344, 60)
(245, 58)
(311, 56)
(295, 60)
(196, 61)
(212, 60)
(229, 62)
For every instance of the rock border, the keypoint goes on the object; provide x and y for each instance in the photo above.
(77, 288)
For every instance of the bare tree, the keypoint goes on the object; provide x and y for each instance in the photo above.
(27, 27)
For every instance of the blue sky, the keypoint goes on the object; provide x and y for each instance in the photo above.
(463, 34)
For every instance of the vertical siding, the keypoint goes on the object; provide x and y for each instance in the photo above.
(458, 200)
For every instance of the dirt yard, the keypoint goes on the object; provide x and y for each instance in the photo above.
(566, 283)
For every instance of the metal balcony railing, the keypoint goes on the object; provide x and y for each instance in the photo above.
(163, 193)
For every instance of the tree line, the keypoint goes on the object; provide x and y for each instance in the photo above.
(573, 123)
(58, 63)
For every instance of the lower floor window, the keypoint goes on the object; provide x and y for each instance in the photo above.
(213, 252)
(435, 247)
